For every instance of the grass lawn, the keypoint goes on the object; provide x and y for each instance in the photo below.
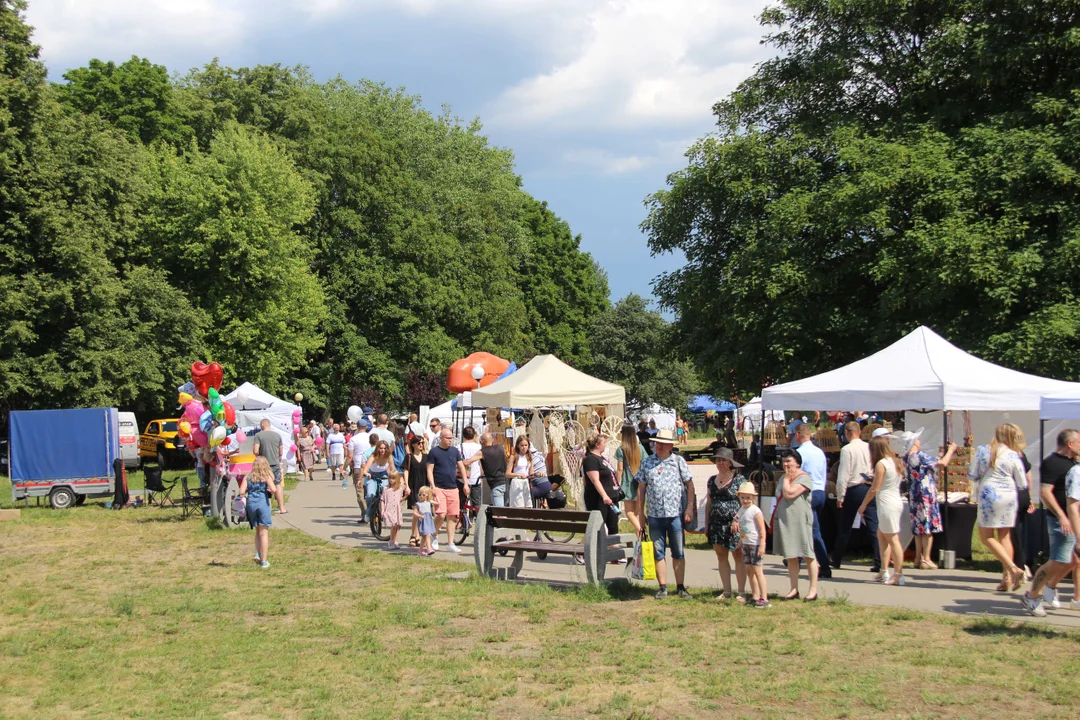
(132, 613)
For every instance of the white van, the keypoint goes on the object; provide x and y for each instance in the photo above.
(129, 439)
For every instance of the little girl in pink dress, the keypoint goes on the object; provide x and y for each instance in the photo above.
(391, 506)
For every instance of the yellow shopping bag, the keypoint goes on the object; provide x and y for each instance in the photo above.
(644, 563)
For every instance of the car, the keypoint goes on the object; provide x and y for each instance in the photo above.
(159, 443)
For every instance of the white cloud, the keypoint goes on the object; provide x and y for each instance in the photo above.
(643, 62)
(603, 162)
(121, 28)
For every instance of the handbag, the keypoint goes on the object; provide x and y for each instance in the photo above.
(644, 565)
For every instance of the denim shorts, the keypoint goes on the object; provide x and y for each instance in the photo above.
(258, 513)
(750, 556)
(498, 496)
(664, 532)
(1061, 545)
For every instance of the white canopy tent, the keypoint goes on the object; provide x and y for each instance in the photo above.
(923, 371)
(259, 404)
(753, 410)
(1064, 406)
(920, 371)
(546, 381)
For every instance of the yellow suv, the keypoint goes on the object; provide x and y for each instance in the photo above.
(159, 442)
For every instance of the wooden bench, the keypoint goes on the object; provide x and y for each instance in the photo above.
(500, 529)
(691, 454)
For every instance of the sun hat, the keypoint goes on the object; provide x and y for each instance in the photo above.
(664, 436)
(905, 440)
(726, 454)
(881, 432)
(747, 488)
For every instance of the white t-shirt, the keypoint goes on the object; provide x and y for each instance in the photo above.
(358, 446)
(336, 442)
(748, 531)
(316, 431)
(468, 449)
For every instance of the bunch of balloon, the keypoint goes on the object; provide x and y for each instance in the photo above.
(297, 423)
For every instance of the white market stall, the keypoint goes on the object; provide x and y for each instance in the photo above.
(925, 375)
(256, 405)
(546, 383)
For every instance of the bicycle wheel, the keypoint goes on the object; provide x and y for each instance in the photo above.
(463, 528)
(559, 537)
(376, 523)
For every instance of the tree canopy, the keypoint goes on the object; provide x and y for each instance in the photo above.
(896, 164)
(331, 238)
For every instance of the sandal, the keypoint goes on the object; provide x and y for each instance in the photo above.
(1016, 578)
(414, 542)
(1003, 586)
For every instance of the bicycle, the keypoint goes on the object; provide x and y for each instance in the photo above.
(375, 508)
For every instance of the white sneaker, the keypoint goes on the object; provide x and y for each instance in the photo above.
(1074, 604)
(434, 544)
(453, 548)
(1050, 598)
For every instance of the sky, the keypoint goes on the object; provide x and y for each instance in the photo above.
(598, 99)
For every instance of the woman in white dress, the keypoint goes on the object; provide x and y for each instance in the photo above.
(519, 469)
(999, 473)
(886, 489)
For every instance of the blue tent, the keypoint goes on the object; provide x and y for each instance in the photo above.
(704, 403)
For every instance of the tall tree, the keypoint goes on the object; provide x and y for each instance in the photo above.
(633, 347)
(229, 218)
(897, 164)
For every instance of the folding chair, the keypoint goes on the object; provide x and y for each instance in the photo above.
(156, 488)
(193, 501)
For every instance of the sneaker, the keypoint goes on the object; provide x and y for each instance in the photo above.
(258, 560)
(1032, 607)
(760, 603)
(661, 594)
(434, 544)
(684, 593)
(453, 548)
(265, 564)
(579, 559)
(1074, 604)
(1050, 598)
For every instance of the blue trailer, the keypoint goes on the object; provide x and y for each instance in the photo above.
(65, 455)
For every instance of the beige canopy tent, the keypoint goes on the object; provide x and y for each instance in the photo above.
(546, 381)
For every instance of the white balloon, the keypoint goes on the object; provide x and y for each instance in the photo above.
(355, 413)
(241, 398)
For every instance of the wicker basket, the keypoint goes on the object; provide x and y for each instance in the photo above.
(775, 433)
(868, 431)
(825, 438)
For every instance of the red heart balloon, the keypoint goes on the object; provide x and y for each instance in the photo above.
(230, 413)
(206, 376)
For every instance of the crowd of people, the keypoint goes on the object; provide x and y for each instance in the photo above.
(650, 485)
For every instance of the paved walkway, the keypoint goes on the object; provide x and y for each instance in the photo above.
(322, 509)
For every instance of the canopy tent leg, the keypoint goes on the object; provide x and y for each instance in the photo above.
(1042, 454)
(945, 515)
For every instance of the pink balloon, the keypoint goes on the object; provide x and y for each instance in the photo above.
(319, 441)
(292, 448)
(192, 411)
(199, 438)
(298, 413)
(239, 436)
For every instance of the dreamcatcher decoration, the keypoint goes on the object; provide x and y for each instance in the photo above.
(611, 428)
(572, 454)
(520, 428)
(537, 436)
(556, 433)
(968, 434)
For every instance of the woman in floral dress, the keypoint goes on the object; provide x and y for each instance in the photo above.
(722, 510)
(922, 494)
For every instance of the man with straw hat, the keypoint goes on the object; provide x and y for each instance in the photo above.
(669, 494)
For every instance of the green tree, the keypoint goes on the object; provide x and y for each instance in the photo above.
(224, 224)
(897, 164)
(634, 347)
(135, 96)
(82, 325)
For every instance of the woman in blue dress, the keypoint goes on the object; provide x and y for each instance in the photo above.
(260, 487)
(922, 494)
